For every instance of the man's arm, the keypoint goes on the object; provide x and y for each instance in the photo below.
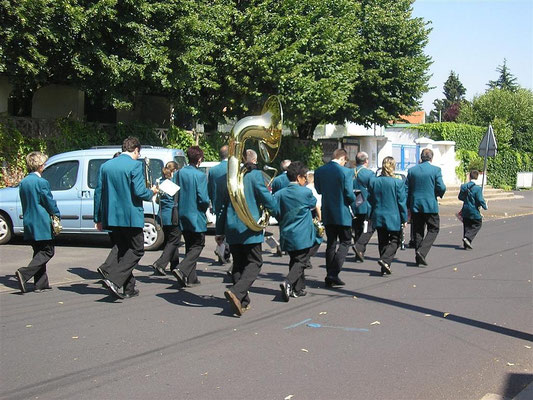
(47, 199)
(440, 187)
(139, 187)
(349, 196)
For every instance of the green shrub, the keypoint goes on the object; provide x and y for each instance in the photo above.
(466, 137)
(13, 150)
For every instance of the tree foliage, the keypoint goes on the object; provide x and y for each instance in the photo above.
(448, 109)
(329, 60)
(506, 80)
(499, 107)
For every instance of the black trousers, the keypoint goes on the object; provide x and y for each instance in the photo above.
(194, 243)
(129, 250)
(419, 223)
(471, 227)
(335, 256)
(298, 261)
(43, 251)
(361, 238)
(170, 252)
(388, 242)
(247, 262)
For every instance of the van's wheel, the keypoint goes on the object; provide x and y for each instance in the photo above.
(153, 235)
(6, 232)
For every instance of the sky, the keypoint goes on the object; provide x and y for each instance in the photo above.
(472, 38)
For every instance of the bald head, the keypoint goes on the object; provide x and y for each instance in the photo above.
(251, 156)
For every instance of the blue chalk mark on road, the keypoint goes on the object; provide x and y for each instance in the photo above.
(298, 324)
(315, 325)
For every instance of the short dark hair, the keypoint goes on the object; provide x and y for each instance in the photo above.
(427, 155)
(297, 168)
(194, 154)
(130, 144)
(337, 154)
(224, 152)
(474, 174)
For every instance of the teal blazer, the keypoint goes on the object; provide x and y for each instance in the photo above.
(389, 208)
(280, 182)
(193, 199)
(214, 174)
(424, 183)
(119, 194)
(472, 198)
(37, 207)
(256, 194)
(335, 183)
(361, 182)
(295, 203)
(166, 204)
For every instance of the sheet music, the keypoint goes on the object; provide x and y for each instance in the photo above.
(169, 187)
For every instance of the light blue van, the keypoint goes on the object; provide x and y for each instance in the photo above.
(73, 178)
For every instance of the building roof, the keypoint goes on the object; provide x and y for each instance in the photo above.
(416, 118)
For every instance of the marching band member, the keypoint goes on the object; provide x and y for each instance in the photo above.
(297, 232)
(118, 207)
(168, 211)
(38, 206)
(335, 183)
(389, 212)
(192, 204)
(245, 244)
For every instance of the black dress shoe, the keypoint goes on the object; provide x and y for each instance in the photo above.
(113, 289)
(333, 281)
(101, 272)
(129, 295)
(467, 244)
(385, 268)
(285, 290)
(300, 293)
(44, 289)
(22, 283)
(180, 276)
(235, 302)
(359, 256)
(420, 260)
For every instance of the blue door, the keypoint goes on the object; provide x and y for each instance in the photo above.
(406, 155)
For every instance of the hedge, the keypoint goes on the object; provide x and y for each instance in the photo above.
(501, 170)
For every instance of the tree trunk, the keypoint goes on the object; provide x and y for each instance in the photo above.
(307, 128)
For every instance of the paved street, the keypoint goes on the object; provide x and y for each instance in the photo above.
(460, 329)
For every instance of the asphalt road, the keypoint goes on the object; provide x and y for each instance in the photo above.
(459, 329)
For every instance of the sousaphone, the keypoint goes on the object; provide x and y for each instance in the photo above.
(266, 129)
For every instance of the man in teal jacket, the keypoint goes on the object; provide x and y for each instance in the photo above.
(363, 177)
(118, 207)
(281, 181)
(335, 183)
(424, 183)
(217, 175)
(472, 198)
(193, 202)
(38, 206)
(245, 244)
(297, 232)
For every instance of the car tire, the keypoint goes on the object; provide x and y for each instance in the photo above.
(6, 231)
(153, 235)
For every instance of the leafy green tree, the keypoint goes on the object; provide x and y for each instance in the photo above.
(448, 109)
(510, 109)
(506, 80)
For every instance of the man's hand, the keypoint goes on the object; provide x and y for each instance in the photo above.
(154, 189)
(98, 226)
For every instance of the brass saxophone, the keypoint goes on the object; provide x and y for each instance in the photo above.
(266, 128)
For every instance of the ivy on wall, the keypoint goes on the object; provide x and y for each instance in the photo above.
(501, 170)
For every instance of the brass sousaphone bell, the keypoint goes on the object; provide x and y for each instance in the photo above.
(266, 128)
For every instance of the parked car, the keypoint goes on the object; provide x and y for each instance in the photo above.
(73, 177)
